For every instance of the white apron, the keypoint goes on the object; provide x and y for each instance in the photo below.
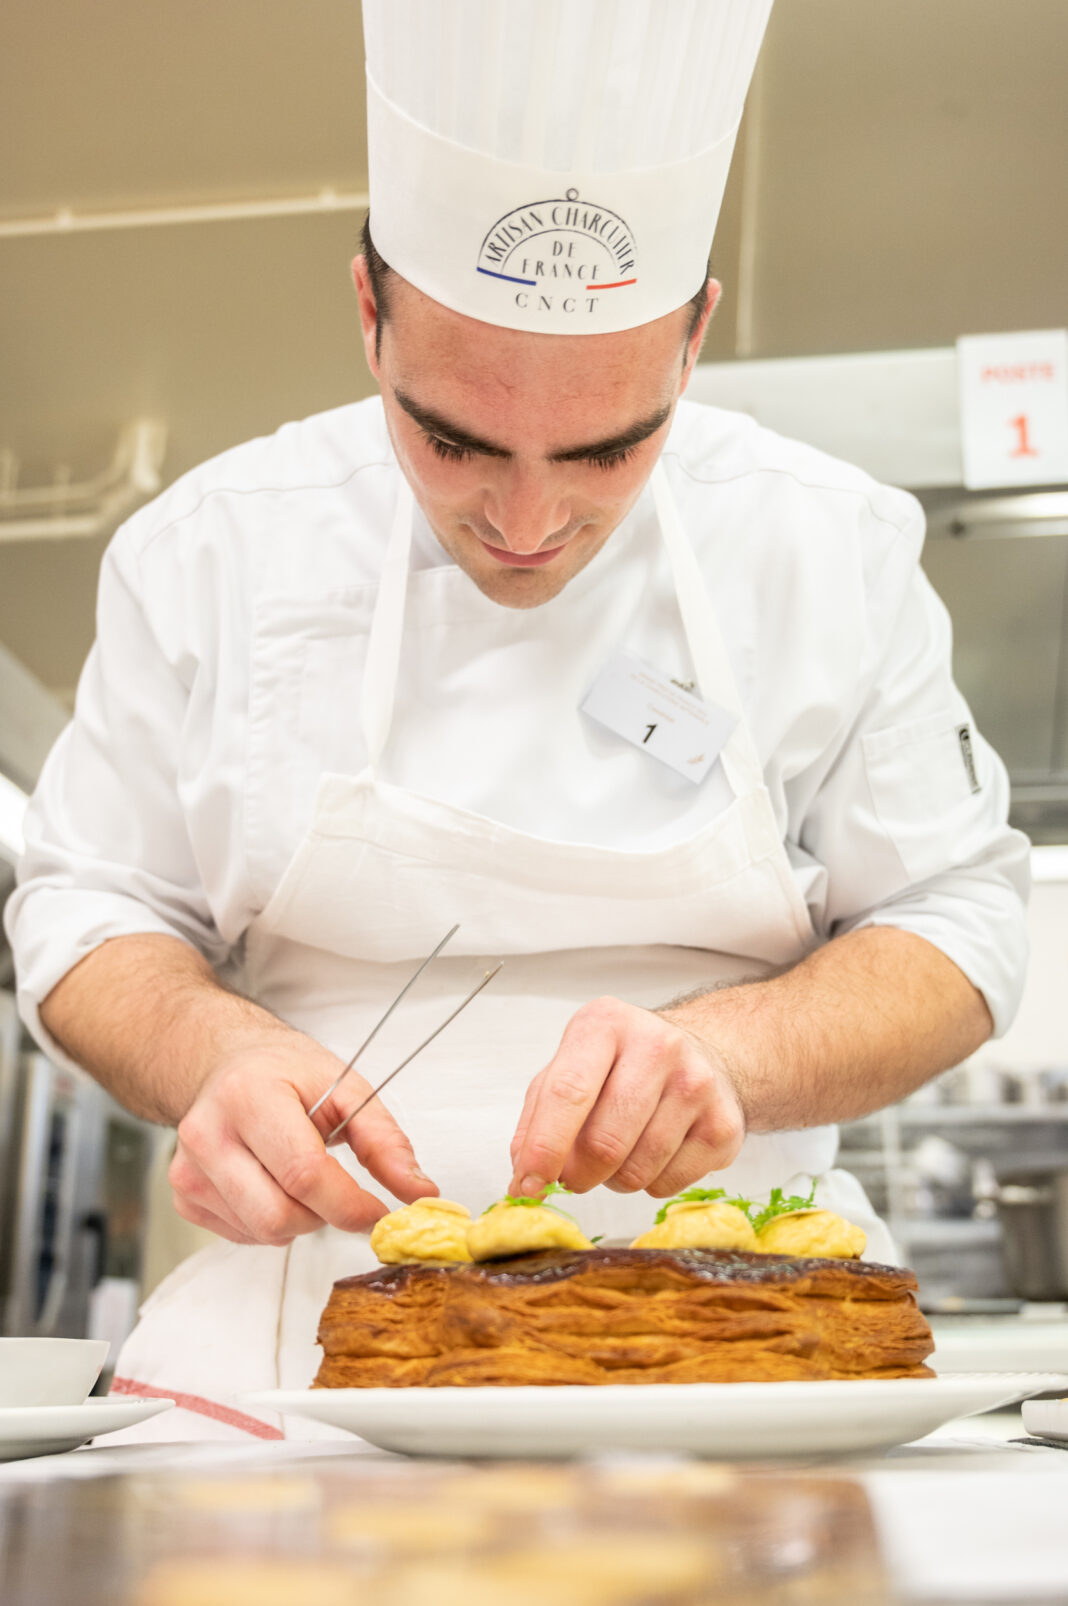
(380, 876)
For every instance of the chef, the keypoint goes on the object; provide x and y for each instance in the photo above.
(655, 704)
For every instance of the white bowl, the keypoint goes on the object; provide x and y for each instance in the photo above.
(49, 1371)
(1046, 1419)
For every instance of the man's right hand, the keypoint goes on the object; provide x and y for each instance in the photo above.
(146, 1015)
(250, 1165)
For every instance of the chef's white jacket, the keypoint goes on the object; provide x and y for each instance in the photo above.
(225, 679)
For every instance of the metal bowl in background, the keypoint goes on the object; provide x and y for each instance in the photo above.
(1033, 1210)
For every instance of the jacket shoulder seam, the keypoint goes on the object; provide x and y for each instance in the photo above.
(256, 490)
(806, 484)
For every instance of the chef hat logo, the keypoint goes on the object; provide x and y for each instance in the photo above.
(568, 251)
(620, 114)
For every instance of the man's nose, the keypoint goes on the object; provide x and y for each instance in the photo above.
(525, 512)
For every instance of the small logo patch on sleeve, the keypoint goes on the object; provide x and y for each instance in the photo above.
(967, 753)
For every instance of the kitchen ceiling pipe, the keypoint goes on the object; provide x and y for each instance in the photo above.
(93, 507)
(67, 221)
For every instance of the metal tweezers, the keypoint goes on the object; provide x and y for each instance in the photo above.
(373, 1033)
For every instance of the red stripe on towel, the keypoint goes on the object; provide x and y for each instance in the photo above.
(199, 1405)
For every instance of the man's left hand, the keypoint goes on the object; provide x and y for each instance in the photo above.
(630, 1100)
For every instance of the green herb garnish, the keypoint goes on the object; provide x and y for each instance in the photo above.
(691, 1196)
(529, 1199)
(779, 1205)
(756, 1214)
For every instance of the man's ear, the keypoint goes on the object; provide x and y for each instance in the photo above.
(713, 290)
(365, 300)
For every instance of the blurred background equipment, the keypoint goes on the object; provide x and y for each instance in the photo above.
(73, 1170)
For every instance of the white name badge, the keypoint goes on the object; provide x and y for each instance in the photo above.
(655, 713)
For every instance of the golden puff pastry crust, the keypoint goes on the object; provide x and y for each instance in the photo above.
(700, 1224)
(428, 1230)
(623, 1316)
(509, 1229)
(812, 1232)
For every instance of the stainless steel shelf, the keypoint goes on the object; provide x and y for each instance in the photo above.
(911, 1115)
(947, 1230)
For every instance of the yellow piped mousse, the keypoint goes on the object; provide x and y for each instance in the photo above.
(820, 1234)
(428, 1229)
(510, 1229)
(700, 1224)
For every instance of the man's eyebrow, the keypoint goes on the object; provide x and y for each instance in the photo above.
(435, 424)
(633, 436)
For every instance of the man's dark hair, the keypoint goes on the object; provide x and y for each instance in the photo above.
(379, 270)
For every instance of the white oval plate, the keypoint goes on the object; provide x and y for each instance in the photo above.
(28, 1430)
(731, 1420)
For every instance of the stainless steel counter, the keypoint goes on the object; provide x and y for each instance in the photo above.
(962, 1516)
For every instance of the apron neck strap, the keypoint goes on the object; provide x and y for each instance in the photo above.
(378, 693)
(715, 678)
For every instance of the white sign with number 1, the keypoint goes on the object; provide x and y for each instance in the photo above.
(1014, 408)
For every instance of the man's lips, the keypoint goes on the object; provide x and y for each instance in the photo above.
(522, 560)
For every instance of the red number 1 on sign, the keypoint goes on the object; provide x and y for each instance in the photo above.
(1023, 447)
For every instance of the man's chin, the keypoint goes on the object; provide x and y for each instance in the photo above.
(520, 588)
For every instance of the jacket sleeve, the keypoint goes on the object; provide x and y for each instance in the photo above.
(911, 818)
(107, 850)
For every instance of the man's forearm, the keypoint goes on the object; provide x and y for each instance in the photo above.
(148, 1018)
(858, 1024)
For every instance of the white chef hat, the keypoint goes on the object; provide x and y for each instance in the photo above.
(554, 165)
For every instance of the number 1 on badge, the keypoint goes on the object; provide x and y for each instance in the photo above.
(685, 733)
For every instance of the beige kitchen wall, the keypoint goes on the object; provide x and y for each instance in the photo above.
(899, 181)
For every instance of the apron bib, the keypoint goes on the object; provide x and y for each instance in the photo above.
(383, 871)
